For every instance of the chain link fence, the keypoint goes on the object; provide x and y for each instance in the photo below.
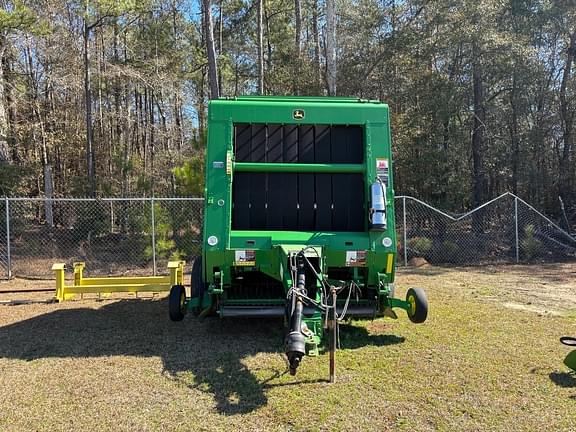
(113, 236)
(121, 236)
(504, 230)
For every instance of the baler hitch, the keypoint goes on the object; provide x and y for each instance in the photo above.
(295, 342)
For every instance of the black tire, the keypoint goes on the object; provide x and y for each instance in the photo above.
(177, 303)
(567, 340)
(418, 312)
(198, 287)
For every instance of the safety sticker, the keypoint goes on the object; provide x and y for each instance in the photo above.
(355, 258)
(245, 258)
(229, 163)
(382, 170)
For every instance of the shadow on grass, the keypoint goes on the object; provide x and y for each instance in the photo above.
(563, 379)
(425, 271)
(352, 337)
(204, 354)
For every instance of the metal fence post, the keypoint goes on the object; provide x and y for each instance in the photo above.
(8, 252)
(516, 228)
(404, 225)
(153, 236)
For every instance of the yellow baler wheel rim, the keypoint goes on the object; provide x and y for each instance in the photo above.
(412, 302)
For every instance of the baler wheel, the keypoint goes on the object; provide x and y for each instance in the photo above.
(198, 286)
(567, 340)
(177, 303)
(418, 310)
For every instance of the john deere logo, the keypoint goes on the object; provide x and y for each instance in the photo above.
(298, 114)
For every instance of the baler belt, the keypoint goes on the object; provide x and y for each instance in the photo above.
(259, 142)
(298, 202)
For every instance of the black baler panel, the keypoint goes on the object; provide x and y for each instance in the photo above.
(258, 186)
(340, 201)
(282, 201)
(306, 199)
(259, 142)
(298, 202)
(323, 202)
(274, 145)
(241, 201)
(306, 144)
(322, 144)
(355, 200)
(290, 153)
(242, 141)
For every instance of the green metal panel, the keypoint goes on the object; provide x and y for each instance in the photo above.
(220, 168)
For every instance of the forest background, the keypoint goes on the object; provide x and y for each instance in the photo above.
(108, 98)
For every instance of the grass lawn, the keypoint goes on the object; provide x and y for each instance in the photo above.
(488, 358)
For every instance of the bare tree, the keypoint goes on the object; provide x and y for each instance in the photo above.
(478, 174)
(297, 46)
(4, 148)
(567, 121)
(331, 46)
(211, 50)
(316, 38)
(90, 153)
(259, 7)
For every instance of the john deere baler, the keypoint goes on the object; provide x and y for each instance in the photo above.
(299, 217)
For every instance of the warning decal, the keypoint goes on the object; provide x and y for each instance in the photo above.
(245, 258)
(382, 170)
(355, 258)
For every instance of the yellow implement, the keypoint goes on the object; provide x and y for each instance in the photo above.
(107, 285)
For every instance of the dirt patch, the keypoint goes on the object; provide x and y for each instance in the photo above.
(545, 289)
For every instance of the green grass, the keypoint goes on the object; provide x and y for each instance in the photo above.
(122, 365)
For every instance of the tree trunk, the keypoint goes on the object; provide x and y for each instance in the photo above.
(297, 47)
(201, 109)
(514, 139)
(478, 174)
(331, 46)
(145, 129)
(316, 37)
(260, 43)
(5, 156)
(211, 51)
(6, 72)
(268, 41)
(220, 41)
(565, 169)
(46, 167)
(90, 154)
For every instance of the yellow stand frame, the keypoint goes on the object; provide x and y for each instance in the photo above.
(107, 285)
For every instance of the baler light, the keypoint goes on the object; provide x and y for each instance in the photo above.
(387, 242)
(378, 210)
(212, 240)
